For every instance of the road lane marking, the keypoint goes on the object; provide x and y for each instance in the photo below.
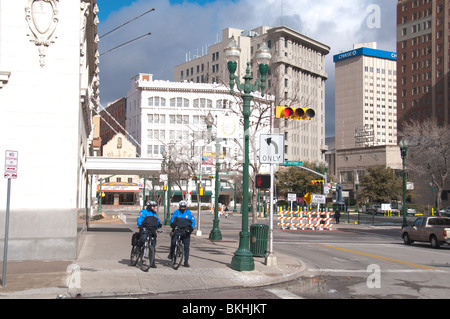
(365, 270)
(284, 294)
(380, 257)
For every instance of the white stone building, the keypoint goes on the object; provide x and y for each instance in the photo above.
(48, 89)
(170, 116)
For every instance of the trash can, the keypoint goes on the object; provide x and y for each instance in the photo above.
(258, 239)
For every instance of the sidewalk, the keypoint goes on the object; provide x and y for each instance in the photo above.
(102, 269)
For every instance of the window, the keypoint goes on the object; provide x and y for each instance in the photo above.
(203, 103)
(178, 102)
(156, 101)
(223, 104)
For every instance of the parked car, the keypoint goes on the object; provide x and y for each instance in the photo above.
(428, 229)
(374, 209)
(411, 211)
(445, 211)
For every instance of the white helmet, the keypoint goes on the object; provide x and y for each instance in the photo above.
(182, 204)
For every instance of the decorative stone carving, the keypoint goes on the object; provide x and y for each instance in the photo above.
(42, 18)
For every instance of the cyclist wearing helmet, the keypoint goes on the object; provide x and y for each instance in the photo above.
(184, 219)
(148, 220)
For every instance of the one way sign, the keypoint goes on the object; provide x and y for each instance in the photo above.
(271, 149)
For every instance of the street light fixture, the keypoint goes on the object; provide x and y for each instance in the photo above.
(243, 258)
(403, 151)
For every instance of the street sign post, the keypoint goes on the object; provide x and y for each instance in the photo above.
(271, 149)
(318, 199)
(11, 165)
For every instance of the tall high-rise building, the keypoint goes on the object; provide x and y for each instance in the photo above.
(296, 78)
(365, 100)
(423, 60)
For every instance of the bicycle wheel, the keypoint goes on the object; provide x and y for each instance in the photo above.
(134, 256)
(178, 255)
(145, 259)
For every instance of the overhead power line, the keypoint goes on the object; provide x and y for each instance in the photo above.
(120, 26)
(123, 44)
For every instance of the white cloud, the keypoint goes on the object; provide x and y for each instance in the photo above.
(179, 29)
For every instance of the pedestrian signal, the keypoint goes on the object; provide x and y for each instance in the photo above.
(298, 113)
(263, 181)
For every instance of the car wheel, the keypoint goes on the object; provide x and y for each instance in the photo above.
(434, 242)
(406, 239)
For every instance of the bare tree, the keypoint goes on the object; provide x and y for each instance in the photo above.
(428, 151)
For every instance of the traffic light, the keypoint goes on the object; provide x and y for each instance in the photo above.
(298, 113)
(263, 181)
(317, 182)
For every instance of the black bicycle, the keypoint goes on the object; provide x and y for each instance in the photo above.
(178, 254)
(144, 255)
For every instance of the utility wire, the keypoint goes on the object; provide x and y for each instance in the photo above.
(123, 44)
(153, 9)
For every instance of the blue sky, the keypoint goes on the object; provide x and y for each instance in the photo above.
(180, 28)
(108, 6)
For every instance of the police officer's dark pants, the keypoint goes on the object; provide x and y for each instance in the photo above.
(186, 241)
(143, 238)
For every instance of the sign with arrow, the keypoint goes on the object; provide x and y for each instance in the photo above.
(271, 149)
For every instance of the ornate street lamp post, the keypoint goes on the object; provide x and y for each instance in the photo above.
(243, 258)
(403, 150)
(215, 233)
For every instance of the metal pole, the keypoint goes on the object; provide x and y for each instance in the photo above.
(243, 258)
(5, 247)
(215, 233)
(404, 187)
(271, 258)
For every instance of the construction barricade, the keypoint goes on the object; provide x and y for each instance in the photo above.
(221, 211)
(305, 220)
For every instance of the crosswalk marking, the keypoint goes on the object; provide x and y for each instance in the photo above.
(284, 294)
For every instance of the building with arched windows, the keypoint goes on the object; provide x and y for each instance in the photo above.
(166, 121)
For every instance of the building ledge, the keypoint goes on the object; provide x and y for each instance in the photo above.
(4, 78)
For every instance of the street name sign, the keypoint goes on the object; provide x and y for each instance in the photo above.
(293, 163)
(271, 149)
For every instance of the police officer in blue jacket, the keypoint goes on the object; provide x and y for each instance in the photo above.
(184, 219)
(148, 221)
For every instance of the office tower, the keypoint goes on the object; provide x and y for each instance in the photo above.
(365, 97)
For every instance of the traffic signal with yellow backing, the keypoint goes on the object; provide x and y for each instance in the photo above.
(317, 182)
(298, 113)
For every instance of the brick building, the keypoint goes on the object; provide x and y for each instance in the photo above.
(423, 60)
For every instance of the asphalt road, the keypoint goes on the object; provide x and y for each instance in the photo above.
(351, 262)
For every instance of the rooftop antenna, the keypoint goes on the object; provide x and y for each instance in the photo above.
(282, 5)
